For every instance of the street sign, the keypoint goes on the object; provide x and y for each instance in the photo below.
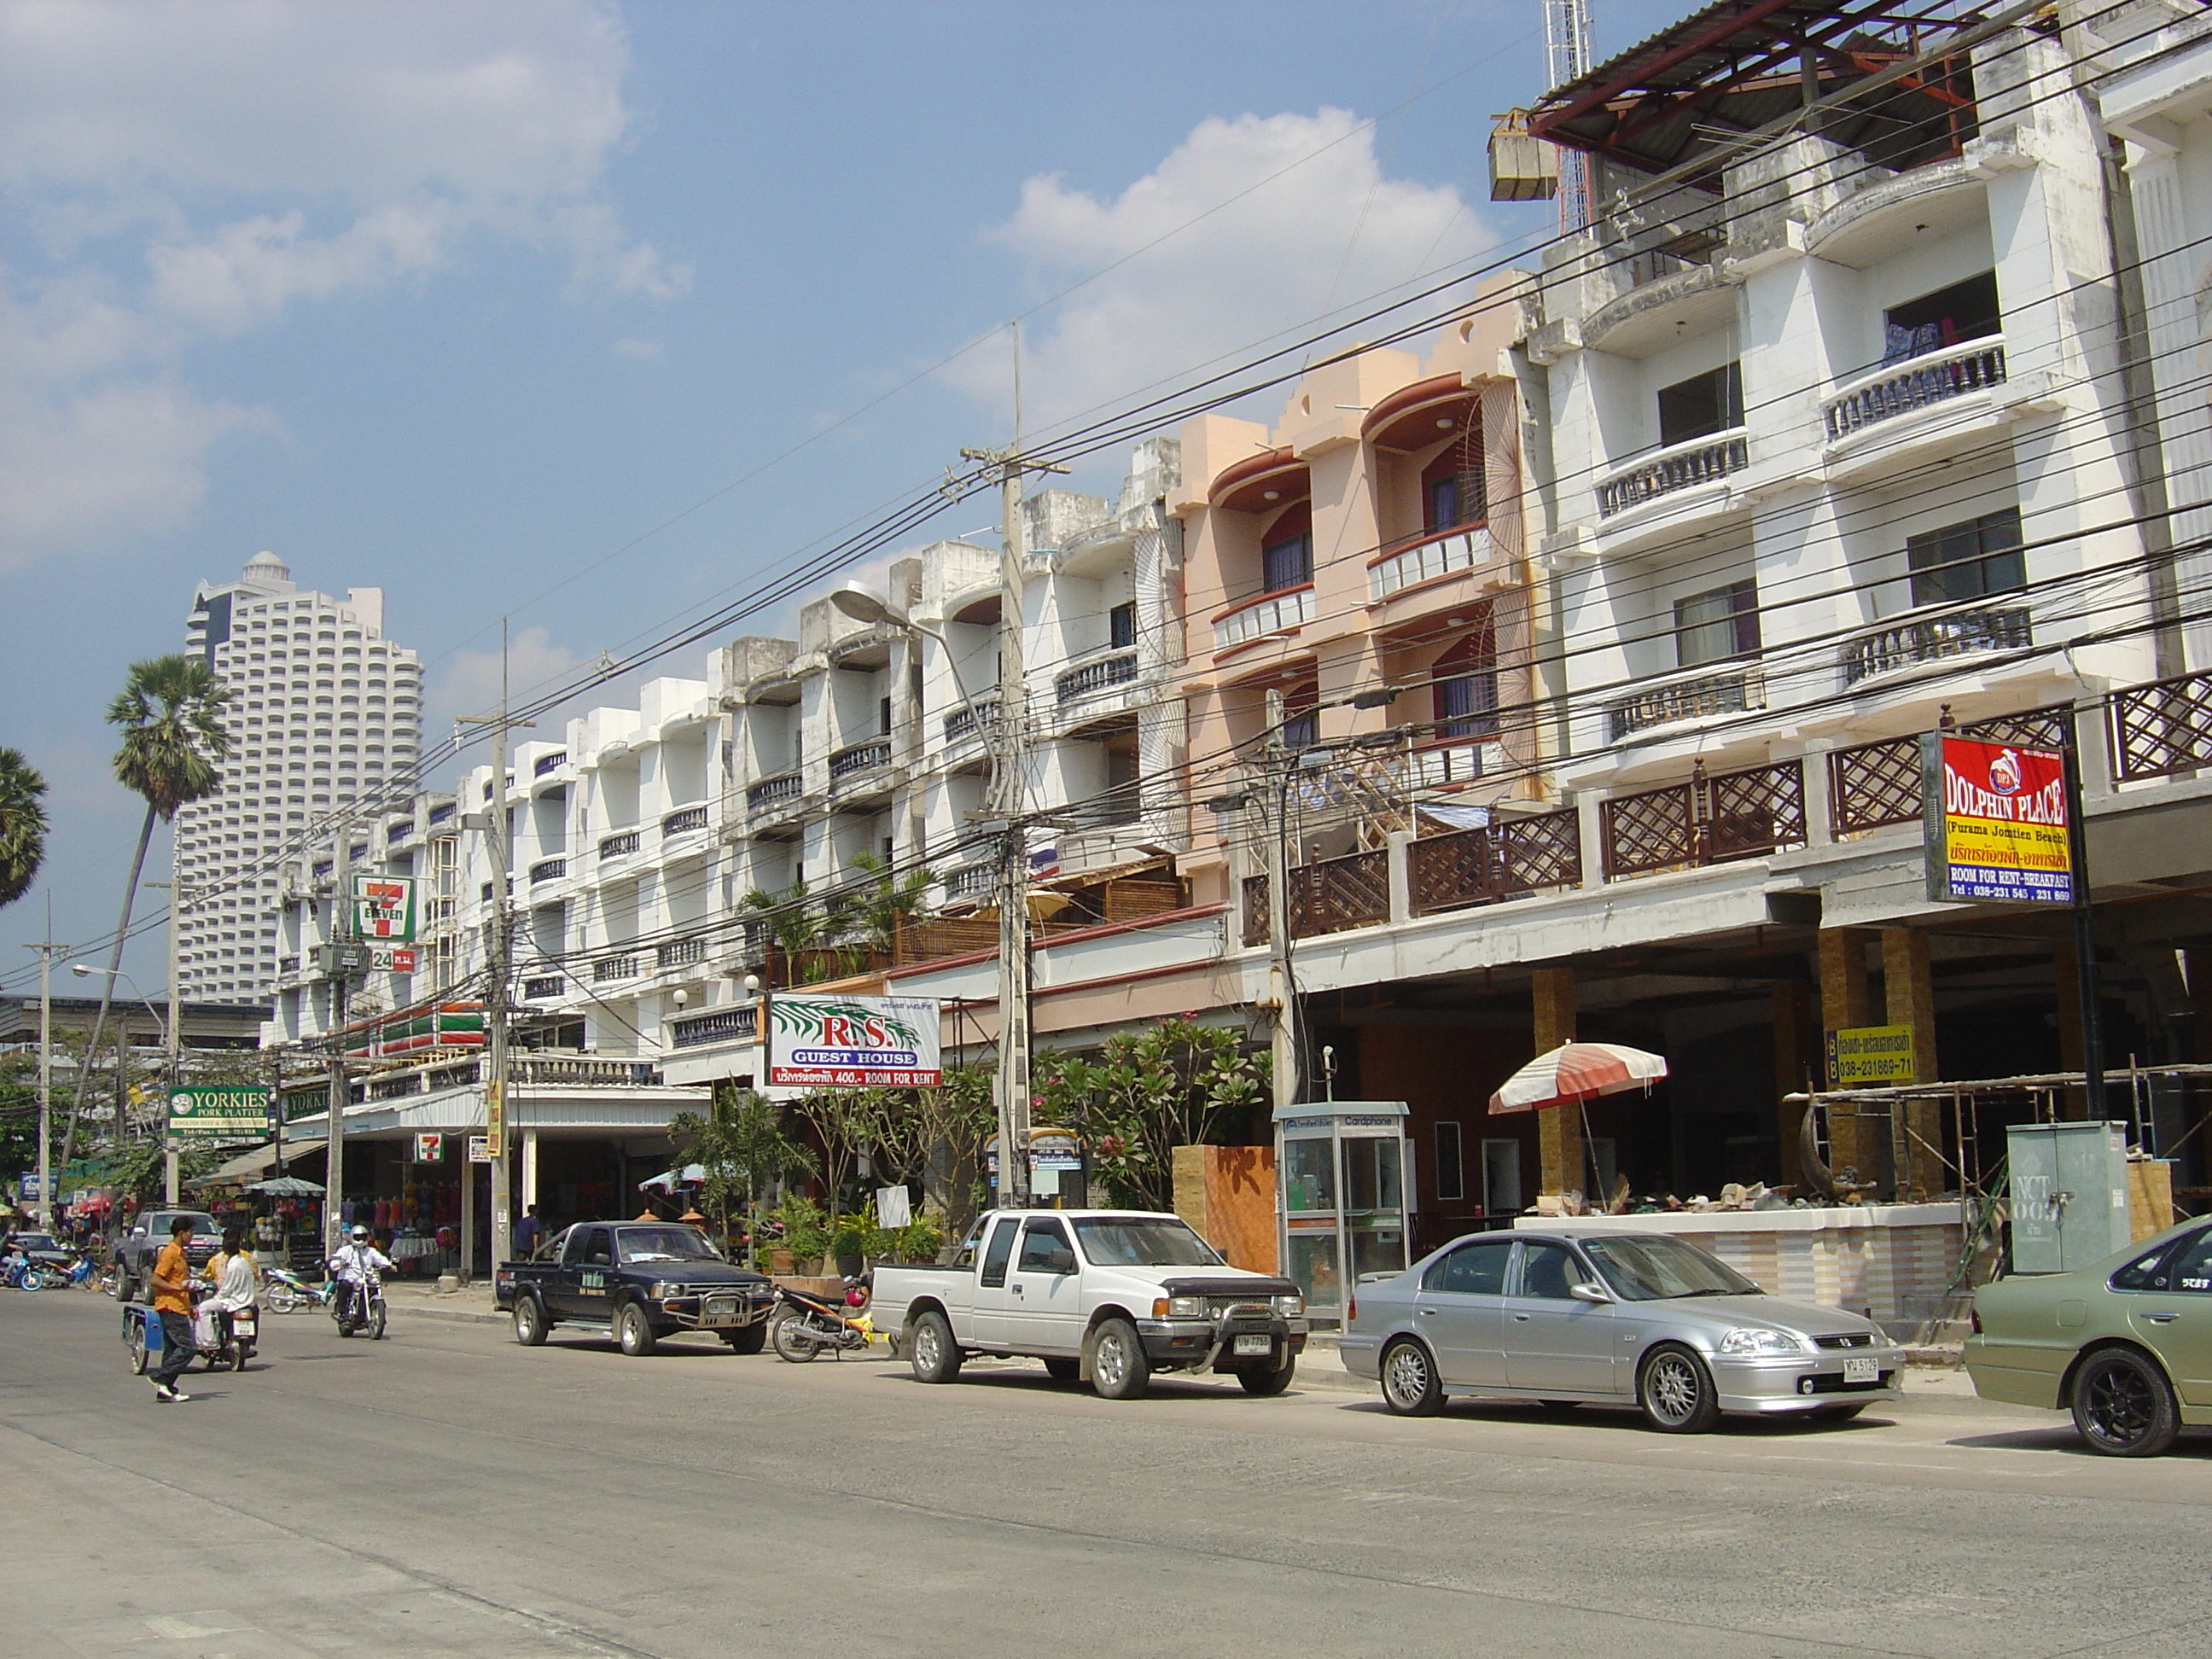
(840, 1041)
(479, 1149)
(27, 1187)
(384, 909)
(204, 1111)
(430, 1149)
(495, 1111)
(392, 959)
(1997, 823)
(1865, 1056)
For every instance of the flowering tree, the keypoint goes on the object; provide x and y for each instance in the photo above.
(1147, 1092)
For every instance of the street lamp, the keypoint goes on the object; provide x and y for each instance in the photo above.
(171, 1046)
(863, 604)
(82, 969)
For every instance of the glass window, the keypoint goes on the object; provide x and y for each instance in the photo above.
(1968, 560)
(1477, 1269)
(1122, 626)
(1549, 1272)
(2150, 1271)
(2192, 1265)
(1452, 485)
(1654, 1269)
(1045, 1249)
(1701, 406)
(1451, 1173)
(1370, 1174)
(1717, 625)
(1309, 1177)
(1935, 322)
(676, 1243)
(1000, 1248)
(1143, 1241)
(1465, 687)
(1286, 549)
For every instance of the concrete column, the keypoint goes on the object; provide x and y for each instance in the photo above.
(1844, 1004)
(1796, 1062)
(1558, 1128)
(1400, 877)
(529, 1168)
(1910, 996)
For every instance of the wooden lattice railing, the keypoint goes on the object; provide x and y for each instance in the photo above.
(1496, 861)
(1708, 820)
(2162, 728)
(1875, 785)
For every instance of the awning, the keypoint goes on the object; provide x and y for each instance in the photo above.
(252, 1166)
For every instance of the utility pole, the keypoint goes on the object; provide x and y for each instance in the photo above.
(45, 948)
(1274, 822)
(172, 1045)
(498, 824)
(1009, 792)
(339, 1092)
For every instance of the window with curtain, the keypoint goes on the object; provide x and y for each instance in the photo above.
(1452, 485)
(1968, 560)
(1464, 680)
(1286, 549)
(1717, 625)
(1122, 626)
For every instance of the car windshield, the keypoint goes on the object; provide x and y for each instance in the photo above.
(642, 1244)
(1658, 1269)
(37, 1241)
(1138, 1240)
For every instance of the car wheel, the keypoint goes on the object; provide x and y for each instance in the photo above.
(935, 1357)
(1259, 1380)
(2123, 1405)
(633, 1334)
(747, 1339)
(1410, 1386)
(529, 1322)
(1064, 1370)
(123, 1287)
(1119, 1368)
(1676, 1391)
(790, 1339)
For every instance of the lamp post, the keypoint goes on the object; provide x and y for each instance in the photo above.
(169, 1045)
(862, 604)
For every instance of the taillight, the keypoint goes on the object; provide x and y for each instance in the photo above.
(1974, 1320)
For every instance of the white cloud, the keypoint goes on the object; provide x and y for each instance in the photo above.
(469, 684)
(1248, 226)
(194, 170)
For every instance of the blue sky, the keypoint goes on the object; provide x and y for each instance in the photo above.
(469, 302)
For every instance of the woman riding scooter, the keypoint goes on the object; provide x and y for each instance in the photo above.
(235, 1305)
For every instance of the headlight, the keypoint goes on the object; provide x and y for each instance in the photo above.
(1290, 1306)
(1755, 1340)
(663, 1289)
(1186, 1307)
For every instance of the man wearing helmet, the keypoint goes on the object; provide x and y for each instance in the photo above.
(356, 1264)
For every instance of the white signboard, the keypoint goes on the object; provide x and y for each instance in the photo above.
(384, 909)
(842, 1041)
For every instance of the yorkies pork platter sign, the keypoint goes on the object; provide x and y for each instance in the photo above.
(1997, 821)
(837, 1041)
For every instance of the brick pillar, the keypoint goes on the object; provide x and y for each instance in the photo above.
(1797, 1062)
(1844, 1004)
(1910, 996)
(1558, 1128)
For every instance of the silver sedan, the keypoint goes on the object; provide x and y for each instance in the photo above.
(1609, 1318)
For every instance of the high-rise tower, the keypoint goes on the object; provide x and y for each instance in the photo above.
(325, 715)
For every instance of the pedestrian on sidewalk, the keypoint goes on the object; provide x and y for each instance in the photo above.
(525, 1234)
(173, 1306)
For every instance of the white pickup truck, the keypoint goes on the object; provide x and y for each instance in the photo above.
(1108, 1295)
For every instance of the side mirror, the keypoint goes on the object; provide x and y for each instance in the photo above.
(1590, 1293)
(1063, 1260)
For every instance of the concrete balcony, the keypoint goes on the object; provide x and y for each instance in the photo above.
(1283, 611)
(1912, 640)
(861, 771)
(1703, 694)
(621, 844)
(1094, 673)
(1671, 492)
(684, 821)
(1430, 559)
(547, 869)
(1921, 409)
(971, 725)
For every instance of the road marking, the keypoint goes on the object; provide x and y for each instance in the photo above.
(179, 1630)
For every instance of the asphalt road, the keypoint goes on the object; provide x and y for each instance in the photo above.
(446, 1492)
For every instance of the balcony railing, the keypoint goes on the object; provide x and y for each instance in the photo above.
(1271, 613)
(1899, 388)
(398, 830)
(547, 870)
(2163, 728)
(618, 845)
(1708, 820)
(1427, 559)
(1449, 763)
(1683, 467)
(970, 881)
(537, 990)
(770, 791)
(1734, 691)
(684, 822)
(612, 968)
(1873, 786)
(1931, 639)
(1088, 679)
(1497, 861)
(961, 723)
(552, 763)
(723, 1025)
(679, 953)
(858, 758)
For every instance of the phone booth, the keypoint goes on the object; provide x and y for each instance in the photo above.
(1342, 1171)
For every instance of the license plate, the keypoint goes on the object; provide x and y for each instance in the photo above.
(1253, 1344)
(242, 1327)
(720, 1313)
(1862, 1371)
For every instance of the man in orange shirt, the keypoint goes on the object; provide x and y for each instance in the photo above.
(173, 1306)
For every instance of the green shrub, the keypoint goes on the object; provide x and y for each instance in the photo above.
(805, 1228)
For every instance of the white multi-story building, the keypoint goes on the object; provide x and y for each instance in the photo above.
(324, 715)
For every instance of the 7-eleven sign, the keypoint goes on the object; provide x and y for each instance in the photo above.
(384, 909)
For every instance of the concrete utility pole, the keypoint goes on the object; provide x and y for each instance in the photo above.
(45, 948)
(1275, 825)
(1009, 795)
(339, 1092)
(173, 1044)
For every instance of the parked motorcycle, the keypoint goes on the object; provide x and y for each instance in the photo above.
(285, 1291)
(804, 1325)
(360, 1307)
(20, 1273)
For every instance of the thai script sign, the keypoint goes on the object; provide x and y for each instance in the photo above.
(1997, 825)
(838, 1041)
(384, 909)
(213, 1111)
(1863, 1056)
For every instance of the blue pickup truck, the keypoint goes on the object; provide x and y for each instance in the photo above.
(638, 1280)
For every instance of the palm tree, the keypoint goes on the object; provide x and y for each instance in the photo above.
(170, 710)
(22, 825)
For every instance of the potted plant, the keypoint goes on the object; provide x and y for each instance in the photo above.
(805, 1233)
(852, 1242)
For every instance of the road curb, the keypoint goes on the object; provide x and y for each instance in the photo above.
(452, 1316)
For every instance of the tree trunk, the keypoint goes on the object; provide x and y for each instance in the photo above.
(107, 990)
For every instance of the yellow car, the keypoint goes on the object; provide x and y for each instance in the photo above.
(2126, 1345)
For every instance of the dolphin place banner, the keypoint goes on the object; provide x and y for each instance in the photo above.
(1998, 825)
(837, 1042)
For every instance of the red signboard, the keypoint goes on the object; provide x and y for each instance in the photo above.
(1997, 820)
